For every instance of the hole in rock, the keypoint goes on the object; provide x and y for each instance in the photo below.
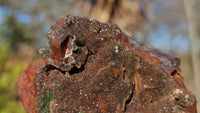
(129, 98)
(76, 70)
(49, 68)
(173, 73)
(80, 43)
(64, 43)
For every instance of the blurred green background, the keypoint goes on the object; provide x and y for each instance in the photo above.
(170, 25)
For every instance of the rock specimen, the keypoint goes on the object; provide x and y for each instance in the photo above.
(92, 67)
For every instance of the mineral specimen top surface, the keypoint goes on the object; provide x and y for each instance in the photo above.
(93, 67)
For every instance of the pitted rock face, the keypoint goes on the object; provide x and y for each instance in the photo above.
(92, 67)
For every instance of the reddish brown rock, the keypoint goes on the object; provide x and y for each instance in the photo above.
(92, 67)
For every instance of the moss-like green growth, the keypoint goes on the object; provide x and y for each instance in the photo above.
(47, 53)
(61, 107)
(157, 66)
(80, 110)
(84, 84)
(44, 88)
(59, 97)
(45, 101)
(37, 56)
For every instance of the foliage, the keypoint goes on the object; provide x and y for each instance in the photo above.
(3, 54)
(37, 56)
(13, 32)
(11, 65)
(8, 91)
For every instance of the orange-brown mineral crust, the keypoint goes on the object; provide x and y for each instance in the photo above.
(93, 67)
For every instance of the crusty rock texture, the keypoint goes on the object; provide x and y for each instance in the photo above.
(92, 67)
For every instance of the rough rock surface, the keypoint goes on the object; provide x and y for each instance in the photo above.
(92, 67)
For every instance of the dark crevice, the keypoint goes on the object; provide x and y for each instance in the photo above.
(50, 67)
(64, 43)
(77, 51)
(75, 70)
(99, 31)
(80, 43)
(179, 103)
(129, 98)
(173, 73)
(177, 99)
(124, 74)
(124, 71)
